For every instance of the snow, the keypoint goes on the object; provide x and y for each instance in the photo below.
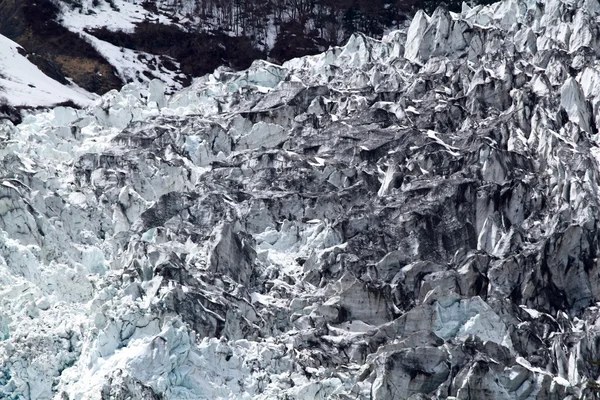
(133, 66)
(123, 16)
(23, 84)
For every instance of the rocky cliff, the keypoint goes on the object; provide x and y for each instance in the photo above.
(415, 217)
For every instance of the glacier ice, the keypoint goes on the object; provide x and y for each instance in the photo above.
(414, 216)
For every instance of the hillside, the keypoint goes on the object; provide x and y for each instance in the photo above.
(23, 84)
(101, 45)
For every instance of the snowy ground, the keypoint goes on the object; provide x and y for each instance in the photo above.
(23, 84)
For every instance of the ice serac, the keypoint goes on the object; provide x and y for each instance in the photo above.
(415, 37)
(410, 218)
(231, 255)
(262, 134)
(573, 100)
(157, 93)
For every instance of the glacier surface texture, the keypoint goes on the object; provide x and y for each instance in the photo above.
(411, 218)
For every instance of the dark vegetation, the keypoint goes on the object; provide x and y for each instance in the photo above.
(9, 112)
(54, 49)
(197, 52)
(234, 32)
(308, 26)
(225, 32)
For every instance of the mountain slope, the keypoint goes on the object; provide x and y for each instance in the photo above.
(23, 84)
(413, 217)
(176, 41)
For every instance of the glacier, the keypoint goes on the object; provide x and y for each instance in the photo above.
(408, 218)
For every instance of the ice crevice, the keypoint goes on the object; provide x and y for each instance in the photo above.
(412, 217)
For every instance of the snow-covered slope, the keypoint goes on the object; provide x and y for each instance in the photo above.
(23, 84)
(122, 15)
(398, 219)
(138, 66)
(114, 15)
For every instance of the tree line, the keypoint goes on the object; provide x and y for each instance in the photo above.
(289, 28)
